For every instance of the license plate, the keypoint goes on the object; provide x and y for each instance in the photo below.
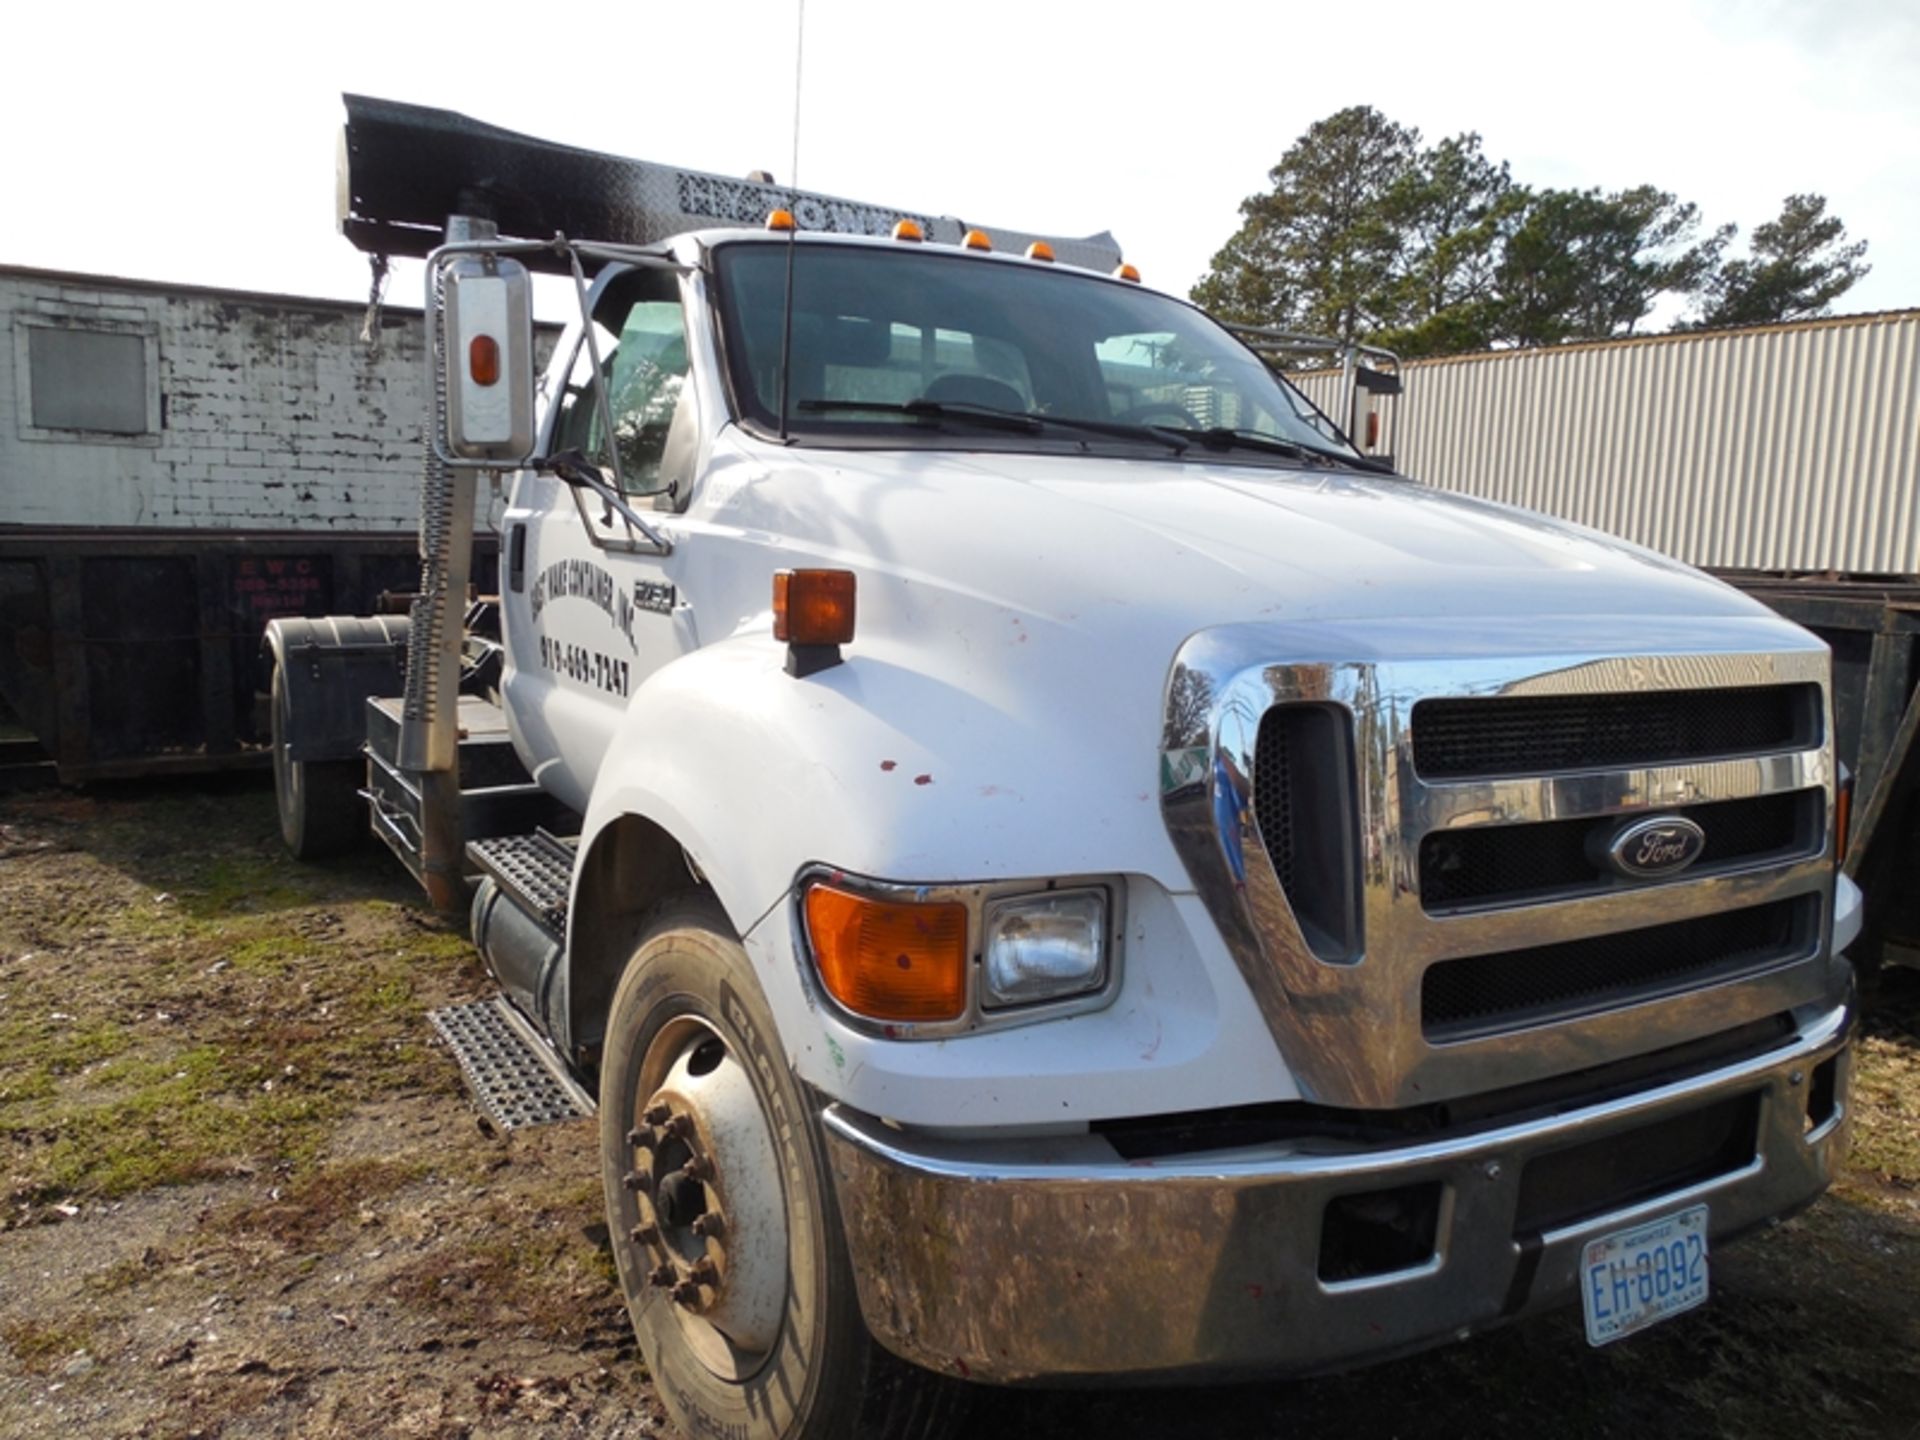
(1635, 1278)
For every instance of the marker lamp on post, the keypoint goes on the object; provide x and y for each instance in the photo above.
(1044, 947)
(813, 611)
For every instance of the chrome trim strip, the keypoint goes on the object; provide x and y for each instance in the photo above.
(1351, 1031)
(1487, 930)
(1029, 1260)
(1461, 804)
(956, 1159)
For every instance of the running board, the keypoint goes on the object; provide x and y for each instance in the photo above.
(513, 1077)
(535, 870)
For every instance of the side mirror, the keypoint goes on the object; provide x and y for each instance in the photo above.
(487, 305)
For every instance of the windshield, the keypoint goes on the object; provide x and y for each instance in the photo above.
(908, 345)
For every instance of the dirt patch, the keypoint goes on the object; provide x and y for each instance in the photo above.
(242, 1193)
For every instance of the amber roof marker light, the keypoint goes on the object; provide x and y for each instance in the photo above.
(1040, 250)
(813, 611)
(978, 240)
(908, 230)
(780, 220)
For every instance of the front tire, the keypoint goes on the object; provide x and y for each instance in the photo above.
(709, 1147)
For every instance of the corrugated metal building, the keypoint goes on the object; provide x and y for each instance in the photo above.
(1791, 446)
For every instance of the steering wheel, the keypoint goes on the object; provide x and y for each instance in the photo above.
(1140, 415)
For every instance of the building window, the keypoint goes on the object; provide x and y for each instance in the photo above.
(91, 380)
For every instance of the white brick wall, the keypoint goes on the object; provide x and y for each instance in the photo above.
(273, 414)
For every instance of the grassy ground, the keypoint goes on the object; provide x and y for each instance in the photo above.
(243, 1191)
(242, 1194)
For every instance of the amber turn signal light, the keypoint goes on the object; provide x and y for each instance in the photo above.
(890, 959)
(813, 607)
(483, 360)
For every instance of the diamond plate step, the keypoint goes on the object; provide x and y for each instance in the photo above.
(536, 869)
(515, 1080)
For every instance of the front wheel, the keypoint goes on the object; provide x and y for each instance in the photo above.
(722, 1216)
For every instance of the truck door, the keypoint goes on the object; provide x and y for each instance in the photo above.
(591, 607)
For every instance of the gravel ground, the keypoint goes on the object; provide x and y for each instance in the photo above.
(245, 1195)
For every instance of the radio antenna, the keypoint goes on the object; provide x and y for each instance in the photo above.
(793, 226)
(799, 62)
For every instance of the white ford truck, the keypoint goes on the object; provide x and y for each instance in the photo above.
(1054, 865)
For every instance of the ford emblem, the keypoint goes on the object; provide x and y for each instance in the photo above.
(1659, 845)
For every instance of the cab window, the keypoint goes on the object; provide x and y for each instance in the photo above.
(873, 329)
(641, 334)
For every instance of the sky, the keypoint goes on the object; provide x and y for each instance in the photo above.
(195, 142)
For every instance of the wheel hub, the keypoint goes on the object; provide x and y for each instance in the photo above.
(707, 1196)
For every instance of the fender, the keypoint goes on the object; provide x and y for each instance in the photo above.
(330, 667)
(877, 766)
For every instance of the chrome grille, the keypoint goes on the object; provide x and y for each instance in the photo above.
(1515, 957)
(1548, 734)
(1483, 994)
(1518, 864)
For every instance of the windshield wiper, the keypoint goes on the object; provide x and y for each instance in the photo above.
(1026, 422)
(934, 410)
(1223, 437)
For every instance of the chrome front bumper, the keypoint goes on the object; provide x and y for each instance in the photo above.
(1057, 1259)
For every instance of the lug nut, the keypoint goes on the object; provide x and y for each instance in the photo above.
(661, 1276)
(637, 1180)
(709, 1225)
(680, 1126)
(656, 1114)
(686, 1293)
(698, 1168)
(645, 1234)
(704, 1273)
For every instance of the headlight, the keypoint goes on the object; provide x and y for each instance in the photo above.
(1044, 947)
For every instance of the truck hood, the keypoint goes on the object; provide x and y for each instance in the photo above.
(1181, 546)
(1000, 712)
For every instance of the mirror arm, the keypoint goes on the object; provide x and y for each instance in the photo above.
(601, 380)
(575, 469)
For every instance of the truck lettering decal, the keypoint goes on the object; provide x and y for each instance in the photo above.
(657, 596)
(746, 202)
(584, 580)
(587, 667)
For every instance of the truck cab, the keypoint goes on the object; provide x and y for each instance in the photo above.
(1055, 866)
